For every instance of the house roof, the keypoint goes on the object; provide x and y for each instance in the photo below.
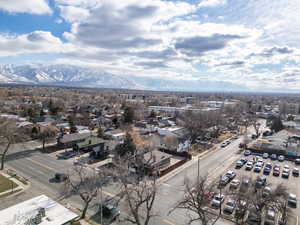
(155, 156)
(90, 141)
(55, 213)
(73, 137)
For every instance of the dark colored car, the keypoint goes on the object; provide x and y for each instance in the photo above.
(297, 161)
(109, 212)
(267, 170)
(244, 160)
(292, 200)
(254, 218)
(257, 169)
(60, 177)
(224, 180)
(295, 172)
(260, 182)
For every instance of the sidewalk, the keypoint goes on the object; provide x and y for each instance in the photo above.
(21, 186)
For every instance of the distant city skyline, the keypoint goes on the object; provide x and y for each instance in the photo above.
(247, 45)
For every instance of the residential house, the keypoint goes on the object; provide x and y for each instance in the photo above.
(68, 140)
(116, 134)
(91, 143)
(156, 161)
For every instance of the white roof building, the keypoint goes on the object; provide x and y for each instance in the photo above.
(39, 210)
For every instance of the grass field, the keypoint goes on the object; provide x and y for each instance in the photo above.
(6, 184)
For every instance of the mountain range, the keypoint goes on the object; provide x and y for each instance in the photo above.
(76, 76)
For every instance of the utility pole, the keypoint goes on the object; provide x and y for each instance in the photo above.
(198, 172)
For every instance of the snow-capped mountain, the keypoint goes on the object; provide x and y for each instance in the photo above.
(68, 75)
(65, 75)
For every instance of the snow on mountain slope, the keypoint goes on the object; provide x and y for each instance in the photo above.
(68, 75)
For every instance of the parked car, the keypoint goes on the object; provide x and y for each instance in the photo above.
(265, 155)
(269, 165)
(260, 182)
(247, 153)
(217, 200)
(266, 191)
(224, 180)
(249, 165)
(229, 206)
(231, 174)
(109, 212)
(276, 170)
(270, 217)
(239, 164)
(240, 209)
(209, 195)
(257, 168)
(295, 172)
(245, 183)
(260, 161)
(286, 172)
(234, 184)
(254, 217)
(60, 177)
(267, 170)
(273, 156)
(244, 160)
(287, 167)
(297, 161)
(281, 158)
(292, 200)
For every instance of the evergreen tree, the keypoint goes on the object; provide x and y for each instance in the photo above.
(100, 133)
(127, 147)
(152, 114)
(276, 124)
(128, 115)
(73, 128)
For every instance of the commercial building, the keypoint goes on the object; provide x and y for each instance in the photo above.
(39, 210)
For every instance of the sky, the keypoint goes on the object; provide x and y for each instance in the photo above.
(253, 43)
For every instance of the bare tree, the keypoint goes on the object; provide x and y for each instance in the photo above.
(256, 124)
(46, 134)
(9, 134)
(195, 123)
(139, 194)
(197, 199)
(279, 197)
(82, 183)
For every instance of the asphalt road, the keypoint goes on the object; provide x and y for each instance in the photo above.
(39, 168)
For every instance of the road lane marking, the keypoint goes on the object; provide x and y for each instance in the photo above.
(168, 222)
(40, 164)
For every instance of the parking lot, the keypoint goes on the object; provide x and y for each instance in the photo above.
(292, 182)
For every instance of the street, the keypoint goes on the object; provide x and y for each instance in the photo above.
(40, 167)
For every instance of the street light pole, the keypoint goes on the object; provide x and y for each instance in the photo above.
(198, 175)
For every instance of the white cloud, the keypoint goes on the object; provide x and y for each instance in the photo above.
(25, 6)
(73, 14)
(35, 42)
(211, 3)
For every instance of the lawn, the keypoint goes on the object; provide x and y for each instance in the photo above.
(5, 184)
